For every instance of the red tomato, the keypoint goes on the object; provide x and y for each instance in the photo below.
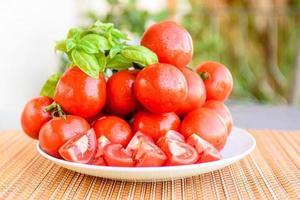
(179, 153)
(170, 135)
(207, 124)
(98, 161)
(114, 128)
(220, 108)
(155, 125)
(58, 131)
(80, 94)
(98, 158)
(196, 92)
(34, 117)
(217, 79)
(116, 155)
(206, 151)
(149, 155)
(170, 41)
(80, 148)
(134, 143)
(160, 88)
(121, 99)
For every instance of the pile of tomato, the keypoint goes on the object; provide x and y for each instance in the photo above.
(164, 114)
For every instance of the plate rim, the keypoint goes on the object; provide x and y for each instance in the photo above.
(224, 162)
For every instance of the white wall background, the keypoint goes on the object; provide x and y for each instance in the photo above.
(28, 31)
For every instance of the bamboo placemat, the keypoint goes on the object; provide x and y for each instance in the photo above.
(272, 171)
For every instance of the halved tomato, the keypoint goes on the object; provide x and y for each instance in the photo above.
(206, 150)
(179, 153)
(98, 161)
(170, 135)
(135, 141)
(80, 148)
(98, 158)
(149, 155)
(116, 155)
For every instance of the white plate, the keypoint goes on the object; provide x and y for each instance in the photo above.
(239, 144)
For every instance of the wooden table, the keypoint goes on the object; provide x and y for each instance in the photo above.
(271, 171)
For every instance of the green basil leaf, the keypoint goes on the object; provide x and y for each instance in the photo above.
(140, 55)
(115, 50)
(118, 62)
(49, 87)
(118, 34)
(86, 62)
(92, 43)
(75, 32)
(102, 61)
(70, 44)
(61, 46)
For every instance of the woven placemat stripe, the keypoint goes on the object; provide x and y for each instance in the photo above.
(272, 171)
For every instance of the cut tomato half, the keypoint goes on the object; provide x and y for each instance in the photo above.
(149, 155)
(170, 135)
(135, 141)
(80, 148)
(98, 161)
(98, 158)
(207, 151)
(179, 153)
(116, 155)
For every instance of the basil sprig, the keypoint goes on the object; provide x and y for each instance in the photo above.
(49, 87)
(102, 46)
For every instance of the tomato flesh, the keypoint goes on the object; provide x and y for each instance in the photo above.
(149, 155)
(179, 153)
(80, 148)
(207, 152)
(116, 155)
(170, 135)
(134, 143)
(102, 141)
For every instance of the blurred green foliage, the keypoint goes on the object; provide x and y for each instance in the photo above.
(258, 46)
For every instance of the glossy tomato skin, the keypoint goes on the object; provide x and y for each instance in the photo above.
(155, 125)
(59, 130)
(207, 124)
(80, 148)
(220, 108)
(160, 88)
(170, 41)
(114, 128)
(178, 153)
(79, 94)
(116, 155)
(34, 117)
(196, 92)
(218, 81)
(121, 100)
